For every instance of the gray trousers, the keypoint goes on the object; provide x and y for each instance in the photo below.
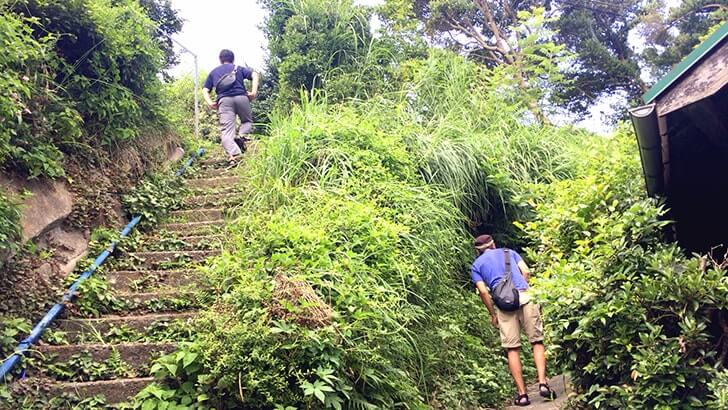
(229, 109)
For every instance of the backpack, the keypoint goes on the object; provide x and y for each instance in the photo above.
(505, 295)
(227, 81)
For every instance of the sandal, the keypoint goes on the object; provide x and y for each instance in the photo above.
(522, 400)
(545, 391)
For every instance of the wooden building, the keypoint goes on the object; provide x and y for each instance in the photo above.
(682, 131)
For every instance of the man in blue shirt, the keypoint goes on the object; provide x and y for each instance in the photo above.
(487, 271)
(232, 102)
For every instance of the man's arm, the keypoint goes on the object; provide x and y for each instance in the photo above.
(208, 99)
(525, 270)
(256, 81)
(485, 297)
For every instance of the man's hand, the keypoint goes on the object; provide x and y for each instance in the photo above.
(252, 95)
(494, 320)
(212, 106)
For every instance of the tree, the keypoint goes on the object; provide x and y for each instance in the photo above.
(314, 42)
(168, 21)
(597, 33)
(490, 31)
(672, 34)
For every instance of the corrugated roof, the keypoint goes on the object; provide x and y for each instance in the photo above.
(688, 62)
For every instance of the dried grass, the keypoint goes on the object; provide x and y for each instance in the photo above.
(296, 301)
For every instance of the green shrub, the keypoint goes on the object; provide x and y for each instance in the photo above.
(636, 323)
(33, 117)
(154, 196)
(80, 75)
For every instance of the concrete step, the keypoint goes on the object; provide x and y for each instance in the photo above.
(145, 280)
(559, 384)
(220, 190)
(178, 241)
(202, 200)
(194, 228)
(213, 173)
(74, 327)
(138, 300)
(159, 260)
(213, 162)
(138, 356)
(213, 183)
(197, 215)
(115, 391)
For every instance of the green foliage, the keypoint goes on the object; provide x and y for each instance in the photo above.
(186, 388)
(33, 117)
(80, 75)
(82, 367)
(155, 196)
(672, 34)
(606, 64)
(603, 270)
(179, 96)
(10, 229)
(12, 330)
(324, 45)
(95, 298)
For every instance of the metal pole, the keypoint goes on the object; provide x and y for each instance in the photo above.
(197, 102)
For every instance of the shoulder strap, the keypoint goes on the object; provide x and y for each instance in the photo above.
(507, 256)
(234, 74)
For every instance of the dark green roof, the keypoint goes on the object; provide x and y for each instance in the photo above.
(688, 62)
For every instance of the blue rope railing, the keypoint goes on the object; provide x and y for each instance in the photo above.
(56, 310)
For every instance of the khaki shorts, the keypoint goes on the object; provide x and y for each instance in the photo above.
(528, 318)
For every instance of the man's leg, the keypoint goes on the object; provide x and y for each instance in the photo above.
(514, 364)
(510, 333)
(539, 356)
(227, 126)
(533, 326)
(245, 112)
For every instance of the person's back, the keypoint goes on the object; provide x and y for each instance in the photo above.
(490, 268)
(238, 87)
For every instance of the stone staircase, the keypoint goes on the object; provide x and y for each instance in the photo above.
(157, 292)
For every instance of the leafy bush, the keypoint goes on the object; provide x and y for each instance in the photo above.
(81, 75)
(32, 114)
(154, 197)
(636, 323)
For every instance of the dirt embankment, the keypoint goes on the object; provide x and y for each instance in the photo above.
(58, 218)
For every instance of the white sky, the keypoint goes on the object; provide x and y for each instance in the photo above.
(211, 25)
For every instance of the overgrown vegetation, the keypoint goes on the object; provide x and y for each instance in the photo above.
(343, 283)
(605, 270)
(154, 197)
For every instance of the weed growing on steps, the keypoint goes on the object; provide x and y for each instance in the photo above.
(11, 330)
(155, 196)
(83, 367)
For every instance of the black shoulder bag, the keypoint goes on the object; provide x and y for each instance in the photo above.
(227, 81)
(505, 295)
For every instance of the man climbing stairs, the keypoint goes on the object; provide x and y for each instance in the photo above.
(144, 301)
